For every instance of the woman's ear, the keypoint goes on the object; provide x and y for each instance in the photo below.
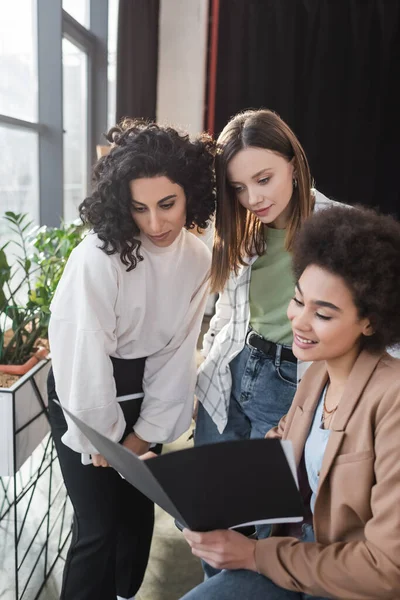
(368, 330)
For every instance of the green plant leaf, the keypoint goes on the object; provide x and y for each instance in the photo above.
(43, 254)
(12, 216)
(5, 275)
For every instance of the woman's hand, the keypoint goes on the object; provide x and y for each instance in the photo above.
(223, 549)
(148, 455)
(99, 461)
(135, 444)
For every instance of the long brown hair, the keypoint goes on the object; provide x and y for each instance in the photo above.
(238, 232)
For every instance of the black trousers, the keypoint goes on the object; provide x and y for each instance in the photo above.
(113, 523)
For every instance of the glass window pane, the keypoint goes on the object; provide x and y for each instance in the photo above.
(79, 10)
(18, 60)
(112, 59)
(19, 173)
(75, 100)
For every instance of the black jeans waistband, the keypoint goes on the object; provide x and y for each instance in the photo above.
(128, 375)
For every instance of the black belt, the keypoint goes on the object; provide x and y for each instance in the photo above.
(255, 340)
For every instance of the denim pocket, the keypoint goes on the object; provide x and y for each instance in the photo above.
(287, 372)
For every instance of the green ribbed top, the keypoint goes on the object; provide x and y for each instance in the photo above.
(271, 289)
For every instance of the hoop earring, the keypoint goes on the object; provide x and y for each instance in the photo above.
(294, 182)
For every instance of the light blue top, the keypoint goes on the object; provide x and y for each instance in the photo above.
(315, 449)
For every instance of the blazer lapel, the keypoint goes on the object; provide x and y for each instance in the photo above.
(304, 412)
(358, 379)
(360, 375)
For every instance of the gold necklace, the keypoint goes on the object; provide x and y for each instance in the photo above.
(329, 412)
(328, 417)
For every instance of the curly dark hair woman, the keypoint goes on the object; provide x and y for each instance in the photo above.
(124, 325)
(363, 248)
(142, 150)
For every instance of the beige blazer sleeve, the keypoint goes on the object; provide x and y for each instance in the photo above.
(352, 570)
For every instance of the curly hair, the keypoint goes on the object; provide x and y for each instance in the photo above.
(144, 149)
(363, 248)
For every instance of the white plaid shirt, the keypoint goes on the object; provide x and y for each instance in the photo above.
(226, 338)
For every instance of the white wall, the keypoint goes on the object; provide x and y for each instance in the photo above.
(182, 63)
(182, 57)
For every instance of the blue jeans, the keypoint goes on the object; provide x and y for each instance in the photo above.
(262, 393)
(246, 585)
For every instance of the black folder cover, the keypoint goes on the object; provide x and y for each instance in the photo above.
(211, 487)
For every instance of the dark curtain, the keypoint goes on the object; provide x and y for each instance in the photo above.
(137, 58)
(330, 68)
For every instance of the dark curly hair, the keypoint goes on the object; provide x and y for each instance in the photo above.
(362, 247)
(143, 149)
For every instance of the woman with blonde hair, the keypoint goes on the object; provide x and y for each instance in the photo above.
(264, 193)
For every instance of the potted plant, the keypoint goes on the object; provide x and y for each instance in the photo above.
(31, 265)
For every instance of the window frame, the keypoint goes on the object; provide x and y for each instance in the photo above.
(85, 41)
(53, 23)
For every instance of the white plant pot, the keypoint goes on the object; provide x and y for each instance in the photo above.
(23, 419)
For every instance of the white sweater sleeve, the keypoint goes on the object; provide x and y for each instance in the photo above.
(170, 377)
(82, 338)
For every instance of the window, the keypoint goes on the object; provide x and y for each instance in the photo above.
(18, 60)
(53, 103)
(79, 10)
(19, 165)
(18, 173)
(75, 121)
(112, 60)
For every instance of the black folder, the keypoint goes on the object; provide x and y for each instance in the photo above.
(218, 486)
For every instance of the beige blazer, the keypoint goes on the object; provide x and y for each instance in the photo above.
(356, 521)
